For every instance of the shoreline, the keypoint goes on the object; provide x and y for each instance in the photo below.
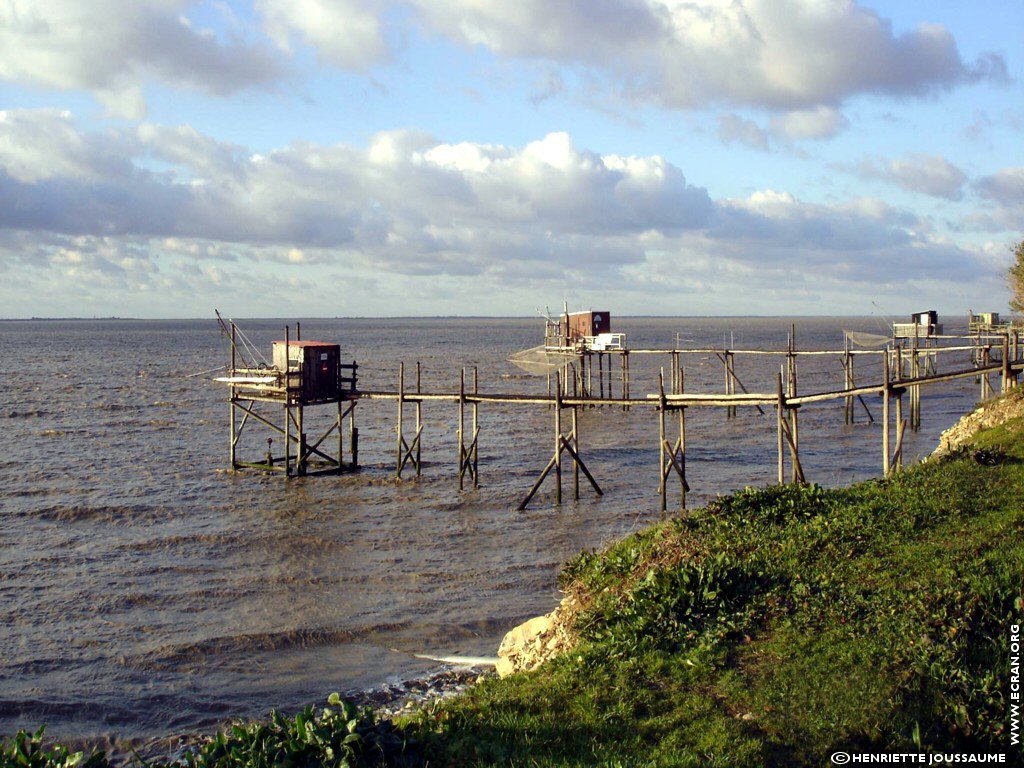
(387, 701)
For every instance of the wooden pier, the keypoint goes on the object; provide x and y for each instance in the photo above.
(256, 391)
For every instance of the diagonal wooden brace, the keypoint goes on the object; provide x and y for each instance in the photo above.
(787, 433)
(568, 447)
(674, 456)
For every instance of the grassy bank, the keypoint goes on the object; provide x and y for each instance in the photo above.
(772, 627)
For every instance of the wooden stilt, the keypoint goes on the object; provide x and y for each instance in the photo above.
(287, 401)
(462, 425)
(661, 441)
(985, 388)
(341, 441)
(625, 356)
(575, 462)
(793, 428)
(400, 438)
(728, 382)
(300, 459)
(287, 442)
(679, 452)
(847, 379)
(1005, 385)
(476, 431)
(558, 445)
(231, 401)
(622, 376)
(898, 454)
(780, 417)
(419, 419)
(886, 394)
(353, 448)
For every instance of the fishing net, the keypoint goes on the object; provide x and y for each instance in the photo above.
(870, 340)
(540, 361)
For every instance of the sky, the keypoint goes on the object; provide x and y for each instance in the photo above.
(322, 158)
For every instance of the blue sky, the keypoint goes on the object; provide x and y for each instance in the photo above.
(423, 157)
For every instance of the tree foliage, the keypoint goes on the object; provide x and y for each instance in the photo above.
(1016, 278)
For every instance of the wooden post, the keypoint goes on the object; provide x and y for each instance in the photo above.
(575, 460)
(780, 416)
(682, 442)
(847, 362)
(794, 427)
(300, 460)
(986, 359)
(231, 400)
(398, 428)
(886, 392)
(1013, 354)
(287, 402)
(298, 331)
(899, 426)
(590, 374)
(476, 430)
(419, 420)
(622, 380)
(558, 444)
(341, 441)
(353, 447)
(728, 381)
(734, 379)
(600, 371)
(625, 356)
(462, 424)
(915, 395)
(1006, 364)
(662, 490)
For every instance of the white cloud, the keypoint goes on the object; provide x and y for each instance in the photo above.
(344, 33)
(931, 175)
(1004, 190)
(790, 55)
(88, 206)
(780, 54)
(735, 128)
(1005, 187)
(112, 48)
(817, 123)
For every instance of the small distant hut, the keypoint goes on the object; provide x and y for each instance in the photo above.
(587, 331)
(922, 325)
(985, 322)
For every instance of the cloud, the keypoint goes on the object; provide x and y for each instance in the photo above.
(778, 54)
(930, 175)
(784, 55)
(733, 128)
(112, 48)
(817, 123)
(344, 33)
(87, 205)
(1005, 187)
(1004, 190)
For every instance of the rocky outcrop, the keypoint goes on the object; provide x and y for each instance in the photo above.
(535, 641)
(987, 415)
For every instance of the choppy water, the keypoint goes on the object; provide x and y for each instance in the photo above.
(144, 591)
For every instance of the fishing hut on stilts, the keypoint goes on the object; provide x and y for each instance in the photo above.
(276, 394)
(309, 374)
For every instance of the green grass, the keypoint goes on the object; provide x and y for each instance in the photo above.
(778, 625)
(772, 627)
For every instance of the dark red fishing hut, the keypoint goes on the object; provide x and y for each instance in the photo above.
(299, 375)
